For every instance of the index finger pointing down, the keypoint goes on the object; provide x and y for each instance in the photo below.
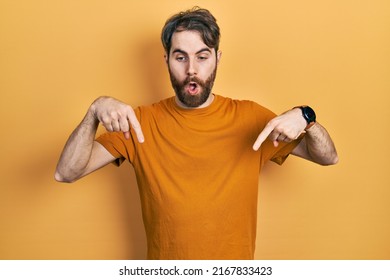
(262, 136)
(136, 126)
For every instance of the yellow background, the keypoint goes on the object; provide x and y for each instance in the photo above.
(56, 57)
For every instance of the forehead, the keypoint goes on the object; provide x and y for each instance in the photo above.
(189, 41)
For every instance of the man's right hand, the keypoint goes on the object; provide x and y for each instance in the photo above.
(115, 115)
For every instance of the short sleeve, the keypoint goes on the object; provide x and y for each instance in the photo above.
(284, 151)
(120, 147)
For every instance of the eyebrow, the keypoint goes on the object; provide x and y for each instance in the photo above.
(184, 52)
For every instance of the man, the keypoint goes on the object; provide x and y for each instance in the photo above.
(196, 155)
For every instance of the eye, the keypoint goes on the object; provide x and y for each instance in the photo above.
(203, 57)
(181, 58)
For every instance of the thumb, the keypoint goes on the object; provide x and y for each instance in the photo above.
(127, 135)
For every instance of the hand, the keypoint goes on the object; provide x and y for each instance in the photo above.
(284, 128)
(116, 116)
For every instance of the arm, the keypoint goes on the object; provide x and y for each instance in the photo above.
(81, 154)
(316, 146)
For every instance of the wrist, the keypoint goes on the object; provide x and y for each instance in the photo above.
(308, 115)
(94, 108)
(91, 116)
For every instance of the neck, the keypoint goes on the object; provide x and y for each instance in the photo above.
(207, 103)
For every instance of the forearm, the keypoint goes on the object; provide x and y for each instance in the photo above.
(319, 145)
(77, 151)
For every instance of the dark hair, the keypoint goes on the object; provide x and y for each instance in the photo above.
(197, 19)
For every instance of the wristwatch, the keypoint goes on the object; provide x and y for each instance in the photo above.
(308, 114)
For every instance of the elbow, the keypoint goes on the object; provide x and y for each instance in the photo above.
(62, 178)
(330, 161)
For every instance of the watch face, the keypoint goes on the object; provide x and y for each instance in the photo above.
(309, 114)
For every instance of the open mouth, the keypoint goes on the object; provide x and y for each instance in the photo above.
(192, 88)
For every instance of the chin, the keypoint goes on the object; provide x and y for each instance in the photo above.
(193, 101)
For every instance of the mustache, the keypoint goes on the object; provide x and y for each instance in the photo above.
(193, 79)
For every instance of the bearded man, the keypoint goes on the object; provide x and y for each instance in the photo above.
(196, 155)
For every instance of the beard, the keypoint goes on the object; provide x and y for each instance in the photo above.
(195, 100)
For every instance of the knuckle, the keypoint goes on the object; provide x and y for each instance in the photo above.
(115, 125)
(105, 120)
(124, 126)
(113, 114)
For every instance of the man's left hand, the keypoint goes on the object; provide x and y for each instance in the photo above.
(283, 128)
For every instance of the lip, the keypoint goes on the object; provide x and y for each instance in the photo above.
(192, 88)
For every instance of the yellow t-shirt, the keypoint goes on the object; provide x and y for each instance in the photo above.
(198, 176)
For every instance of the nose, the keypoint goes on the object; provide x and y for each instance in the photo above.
(192, 68)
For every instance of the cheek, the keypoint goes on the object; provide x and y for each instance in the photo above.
(209, 69)
(176, 69)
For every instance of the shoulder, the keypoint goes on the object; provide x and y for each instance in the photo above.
(155, 108)
(244, 104)
(248, 111)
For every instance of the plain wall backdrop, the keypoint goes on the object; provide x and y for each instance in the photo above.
(56, 57)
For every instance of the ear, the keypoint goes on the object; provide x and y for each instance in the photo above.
(219, 54)
(166, 58)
